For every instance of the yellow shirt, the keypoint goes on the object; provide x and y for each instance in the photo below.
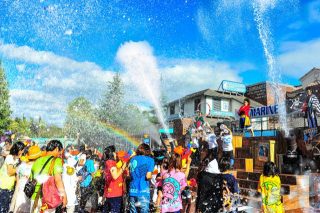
(6, 181)
(270, 192)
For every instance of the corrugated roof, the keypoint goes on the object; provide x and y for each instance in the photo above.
(218, 94)
(312, 70)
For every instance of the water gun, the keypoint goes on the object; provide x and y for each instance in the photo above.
(179, 150)
(155, 172)
(192, 182)
(98, 173)
(123, 157)
(184, 153)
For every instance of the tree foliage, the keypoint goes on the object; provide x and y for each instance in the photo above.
(34, 128)
(112, 105)
(95, 125)
(5, 111)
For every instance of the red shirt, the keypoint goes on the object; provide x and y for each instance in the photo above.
(244, 110)
(113, 188)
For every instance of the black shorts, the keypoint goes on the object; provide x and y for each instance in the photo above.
(227, 154)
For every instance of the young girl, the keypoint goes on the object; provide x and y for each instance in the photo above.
(173, 184)
(269, 187)
(113, 190)
(8, 176)
(231, 187)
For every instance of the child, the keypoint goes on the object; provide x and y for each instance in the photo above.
(231, 187)
(70, 180)
(269, 187)
(159, 179)
(227, 147)
(173, 184)
(186, 196)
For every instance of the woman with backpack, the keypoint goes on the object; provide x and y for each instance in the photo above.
(47, 168)
(8, 176)
(20, 202)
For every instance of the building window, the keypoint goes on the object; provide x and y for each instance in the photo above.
(182, 109)
(216, 105)
(225, 105)
(196, 103)
(172, 110)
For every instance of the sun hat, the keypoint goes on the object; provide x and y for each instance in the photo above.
(34, 152)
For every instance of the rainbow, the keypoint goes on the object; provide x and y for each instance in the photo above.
(121, 133)
(116, 131)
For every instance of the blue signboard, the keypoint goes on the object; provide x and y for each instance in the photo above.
(146, 141)
(232, 86)
(166, 131)
(264, 111)
(221, 113)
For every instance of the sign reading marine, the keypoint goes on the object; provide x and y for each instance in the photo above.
(264, 111)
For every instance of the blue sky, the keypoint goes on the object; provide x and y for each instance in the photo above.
(54, 51)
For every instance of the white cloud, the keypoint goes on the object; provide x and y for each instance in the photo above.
(60, 79)
(21, 67)
(31, 103)
(190, 75)
(53, 81)
(45, 58)
(299, 57)
(178, 77)
(68, 32)
(314, 11)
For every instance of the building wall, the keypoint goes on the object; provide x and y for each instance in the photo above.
(257, 92)
(264, 92)
(189, 106)
(310, 78)
(235, 105)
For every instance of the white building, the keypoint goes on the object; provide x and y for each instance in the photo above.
(212, 103)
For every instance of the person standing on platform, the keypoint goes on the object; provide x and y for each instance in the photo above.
(245, 123)
(311, 108)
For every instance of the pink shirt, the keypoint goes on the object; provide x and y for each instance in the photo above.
(173, 184)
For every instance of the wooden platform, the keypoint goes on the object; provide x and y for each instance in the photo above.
(294, 188)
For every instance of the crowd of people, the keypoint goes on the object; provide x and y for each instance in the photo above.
(54, 178)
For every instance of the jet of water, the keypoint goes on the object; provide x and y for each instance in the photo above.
(261, 9)
(142, 71)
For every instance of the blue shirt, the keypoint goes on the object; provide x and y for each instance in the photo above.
(88, 177)
(139, 167)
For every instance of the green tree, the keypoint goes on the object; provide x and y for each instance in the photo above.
(111, 106)
(81, 123)
(5, 111)
(20, 126)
